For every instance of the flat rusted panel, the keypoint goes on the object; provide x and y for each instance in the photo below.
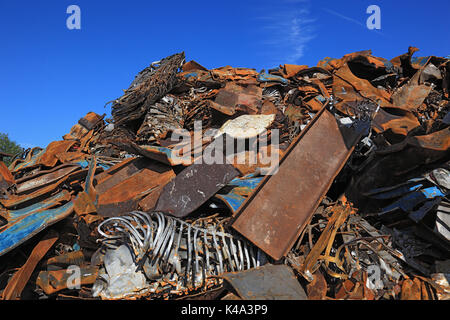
(269, 282)
(274, 216)
(193, 186)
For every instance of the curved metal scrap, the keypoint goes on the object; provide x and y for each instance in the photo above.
(161, 242)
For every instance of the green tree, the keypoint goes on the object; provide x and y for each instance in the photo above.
(9, 147)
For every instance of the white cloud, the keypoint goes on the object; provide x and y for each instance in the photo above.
(287, 31)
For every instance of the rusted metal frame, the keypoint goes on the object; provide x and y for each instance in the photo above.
(327, 236)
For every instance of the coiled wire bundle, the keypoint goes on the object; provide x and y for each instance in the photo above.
(163, 244)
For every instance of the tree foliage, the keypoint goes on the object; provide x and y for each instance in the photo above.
(8, 146)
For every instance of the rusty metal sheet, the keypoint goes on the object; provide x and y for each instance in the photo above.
(161, 154)
(20, 278)
(193, 65)
(193, 187)
(235, 98)
(402, 125)
(269, 282)
(44, 178)
(411, 95)
(274, 216)
(15, 202)
(122, 192)
(6, 178)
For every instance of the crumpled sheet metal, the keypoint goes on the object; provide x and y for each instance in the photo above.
(149, 86)
(393, 167)
(125, 195)
(242, 189)
(54, 281)
(234, 98)
(175, 254)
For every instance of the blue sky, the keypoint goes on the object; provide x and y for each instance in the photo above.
(52, 76)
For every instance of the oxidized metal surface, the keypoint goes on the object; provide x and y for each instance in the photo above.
(242, 188)
(28, 224)
(193, 187)
(54, 281)
(6, 178)
(21, 277)
(44, 179)
(128, 184)
(16, 201)
(284, 202)
(269, 282)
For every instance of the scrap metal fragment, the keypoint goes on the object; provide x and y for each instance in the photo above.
(20, 278)
(246, 126)
(181, 254)
(26, 223)
(150, 85)
(274, 216)
(193, 186)
(269, 282)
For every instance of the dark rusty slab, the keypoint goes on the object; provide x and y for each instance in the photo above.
(193, 186)
(269, 282)
(282, 205)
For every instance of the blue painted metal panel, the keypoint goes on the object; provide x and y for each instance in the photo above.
(267, 77)
(22, 229)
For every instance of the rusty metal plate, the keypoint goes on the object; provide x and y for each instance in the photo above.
(193, 186)
(274, 216)
(130, 183)
(269, 282)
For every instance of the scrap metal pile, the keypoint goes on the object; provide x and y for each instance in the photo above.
(328, 182)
